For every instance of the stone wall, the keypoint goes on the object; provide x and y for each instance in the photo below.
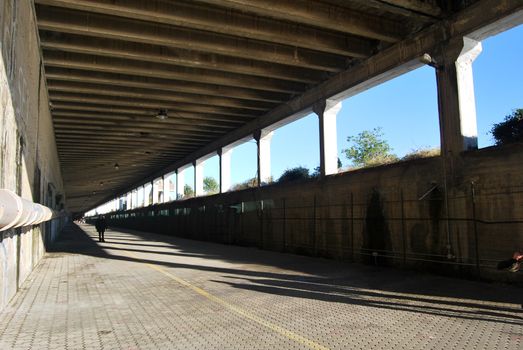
(458, 219)
(29, 162)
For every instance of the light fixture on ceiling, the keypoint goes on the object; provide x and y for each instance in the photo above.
(162, 114)
(428, 60)
(116, 166)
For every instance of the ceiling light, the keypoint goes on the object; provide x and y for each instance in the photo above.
(116, 166)
(428, 60)
(162, 114)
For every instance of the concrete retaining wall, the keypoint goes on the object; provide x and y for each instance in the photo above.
(385, 215)
(29, 162)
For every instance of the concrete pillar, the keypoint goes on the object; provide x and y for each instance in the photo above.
(327, 111)
(171, 182)
(154, 192)
(180, 182)
(198, 177)
(456, 102)
(263, 141)
(155, 184)
(160, 190)
(134, 199)
(225, 168)
(165, 189)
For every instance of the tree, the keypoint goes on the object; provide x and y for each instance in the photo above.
(210, 185)
(293, 174)
(510, 130)
(369, 148)
(188, 192)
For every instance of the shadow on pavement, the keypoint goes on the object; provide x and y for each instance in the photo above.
(325, 280)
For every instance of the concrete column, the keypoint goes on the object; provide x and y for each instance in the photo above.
(198, 177)
(161, 194)
(134, 199)
(456, 102)
(180, 182)
(151, 194)
(165, 189)
(327, 111)
(263, 141)
(142, 203)
(225, 168)
(156, 188)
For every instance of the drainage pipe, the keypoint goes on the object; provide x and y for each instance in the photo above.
(16, 211)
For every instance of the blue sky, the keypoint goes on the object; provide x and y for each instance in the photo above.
(405, 108)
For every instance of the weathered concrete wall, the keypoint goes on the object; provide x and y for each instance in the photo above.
(29, 162)
(386, 210)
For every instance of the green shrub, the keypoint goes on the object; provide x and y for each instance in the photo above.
(298, 173)
(246, 184)
(510, 130)
(422, 153)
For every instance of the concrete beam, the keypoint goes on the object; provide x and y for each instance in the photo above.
(108, 146)
(182, 57)
(197, 19)
(99, 26)
(393, 8)
(165, 71)
(141, 131)
(67, 106)
(323, 15)
(153, 95)
(124, 137)
(424, 7)
(180, 123)
(172, 107)
(120, 80)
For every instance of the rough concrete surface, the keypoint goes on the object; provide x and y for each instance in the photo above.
(146, 291)
(29, 162)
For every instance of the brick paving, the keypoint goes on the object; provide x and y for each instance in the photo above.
(146, 291)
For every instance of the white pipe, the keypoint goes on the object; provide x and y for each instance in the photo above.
(16, 211)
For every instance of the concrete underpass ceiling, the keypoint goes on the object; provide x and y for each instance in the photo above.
(214, 65)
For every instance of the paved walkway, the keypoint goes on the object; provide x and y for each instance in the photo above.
(146, 291)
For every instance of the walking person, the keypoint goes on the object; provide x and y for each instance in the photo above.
(101, 226)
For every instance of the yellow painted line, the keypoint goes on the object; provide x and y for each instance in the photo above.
(285, 332)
